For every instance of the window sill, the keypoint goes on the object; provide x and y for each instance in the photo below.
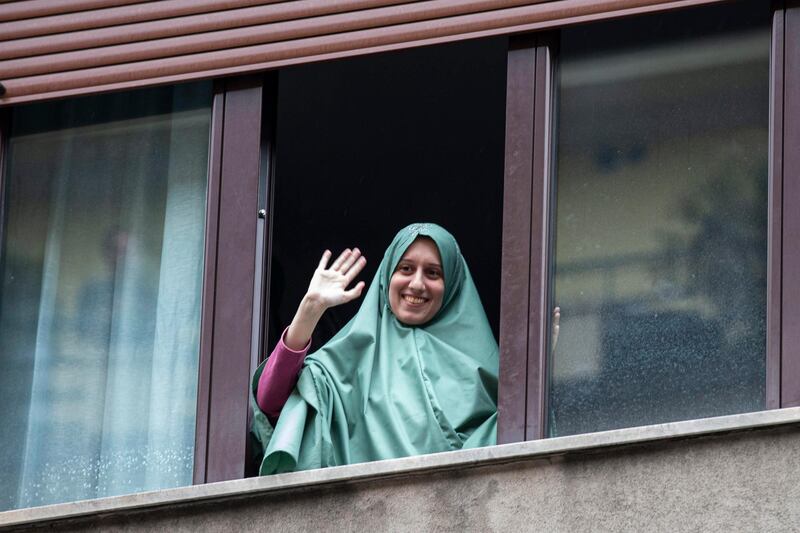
(508, 453)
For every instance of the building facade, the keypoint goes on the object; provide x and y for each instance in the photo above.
(170, 168)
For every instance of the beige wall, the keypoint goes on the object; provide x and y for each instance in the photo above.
(741, 479)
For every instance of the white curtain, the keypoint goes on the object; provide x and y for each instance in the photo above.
(111, 399)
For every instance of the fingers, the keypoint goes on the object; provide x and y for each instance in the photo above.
(348, 262)
(323, 263)
(341, 259)
(352, 266)
(356, 269)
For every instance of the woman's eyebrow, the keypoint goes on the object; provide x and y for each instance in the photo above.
(412, 261)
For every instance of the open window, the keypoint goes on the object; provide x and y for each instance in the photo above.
(368, 145)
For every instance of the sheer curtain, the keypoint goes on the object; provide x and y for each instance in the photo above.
(101, 267)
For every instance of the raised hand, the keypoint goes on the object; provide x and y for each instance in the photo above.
(328, 285)
(328, 288)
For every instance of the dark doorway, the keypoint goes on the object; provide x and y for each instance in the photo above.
(368, 145)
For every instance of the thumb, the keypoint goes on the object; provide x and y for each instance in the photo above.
(355, 292)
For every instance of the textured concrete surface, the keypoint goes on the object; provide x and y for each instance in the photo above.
(736, 480)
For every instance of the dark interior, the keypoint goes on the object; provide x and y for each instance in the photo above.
(367, 145)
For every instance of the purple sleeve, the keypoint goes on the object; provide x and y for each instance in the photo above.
(279, 378)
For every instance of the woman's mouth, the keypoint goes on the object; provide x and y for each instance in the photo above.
(414, 300)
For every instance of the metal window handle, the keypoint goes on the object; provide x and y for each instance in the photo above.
(262, 213)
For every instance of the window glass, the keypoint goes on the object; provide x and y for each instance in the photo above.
(101, 269)
(661, 219)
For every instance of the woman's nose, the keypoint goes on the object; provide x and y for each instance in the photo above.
(417, 282)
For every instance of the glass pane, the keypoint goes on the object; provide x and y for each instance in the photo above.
(101, 269)
(661, 219)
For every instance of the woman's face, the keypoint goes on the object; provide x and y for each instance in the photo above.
(417, 285)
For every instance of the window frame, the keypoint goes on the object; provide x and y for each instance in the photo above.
(532, 62)
(233, 304)
(236, 277)
(525, 263)
(775, 209)
(787, 163)
(5, 132)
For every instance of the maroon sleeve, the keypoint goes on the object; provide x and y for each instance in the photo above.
(279, 378)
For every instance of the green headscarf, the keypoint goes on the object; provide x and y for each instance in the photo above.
(380, 389)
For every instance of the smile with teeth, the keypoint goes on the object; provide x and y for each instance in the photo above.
(414, 300)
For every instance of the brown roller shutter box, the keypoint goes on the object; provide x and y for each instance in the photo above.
(58, 48)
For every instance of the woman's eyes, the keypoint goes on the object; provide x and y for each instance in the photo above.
(431, 273)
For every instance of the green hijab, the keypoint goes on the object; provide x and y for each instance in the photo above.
(380, 389)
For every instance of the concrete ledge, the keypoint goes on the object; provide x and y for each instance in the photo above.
(607, 442)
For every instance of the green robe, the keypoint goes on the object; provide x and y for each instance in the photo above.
(380, 389)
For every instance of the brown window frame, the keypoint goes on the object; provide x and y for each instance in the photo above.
(787, 162)
(527, 233)
(234, 290)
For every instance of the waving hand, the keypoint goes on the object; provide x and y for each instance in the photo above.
(328, 288)
(329, 284)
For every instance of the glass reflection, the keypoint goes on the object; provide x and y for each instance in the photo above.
(661, 219)
(101, 268)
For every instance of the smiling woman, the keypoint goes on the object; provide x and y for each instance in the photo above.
(417, 285)
(415, 371)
